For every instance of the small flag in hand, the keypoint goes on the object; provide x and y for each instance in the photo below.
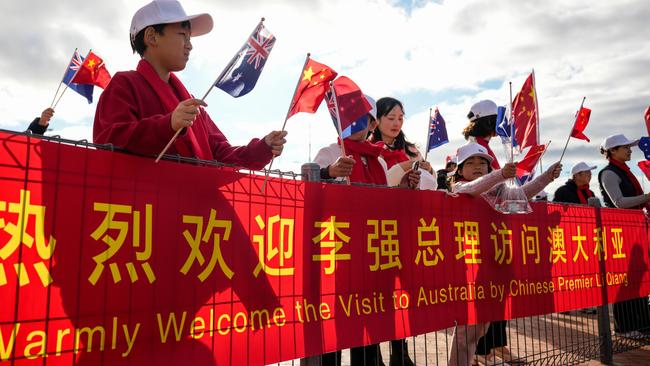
(353, 107)
(86, 90)
(644, 145)
(437, 131)
(93, 71)
(581, 123)
(314, 82)
(525, 114)
(505, 127)
(527, 164)
(241, 74)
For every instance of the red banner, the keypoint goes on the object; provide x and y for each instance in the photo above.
(107, 257)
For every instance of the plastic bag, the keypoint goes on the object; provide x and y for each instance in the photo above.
(508, 198)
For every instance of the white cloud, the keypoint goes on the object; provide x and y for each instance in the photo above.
(431, 54)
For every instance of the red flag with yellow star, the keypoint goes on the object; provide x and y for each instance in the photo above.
(92, 71)
(526, 115)
(581, 123)
(311, 88)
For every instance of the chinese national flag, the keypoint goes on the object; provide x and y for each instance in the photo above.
(644, 165)
(526, 115)
(312, 87)
(581, 122)
(350, 100)
(93, 71)
(527, 164)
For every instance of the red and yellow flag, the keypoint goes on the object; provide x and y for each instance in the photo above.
(93, 71)
(581, 123)
(311, 88)
(526, 115)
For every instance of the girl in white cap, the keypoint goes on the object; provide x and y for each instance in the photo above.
(475, 176)
(621, 189)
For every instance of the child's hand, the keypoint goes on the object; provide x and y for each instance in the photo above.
(509, 170)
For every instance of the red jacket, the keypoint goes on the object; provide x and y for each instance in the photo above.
(134, 113)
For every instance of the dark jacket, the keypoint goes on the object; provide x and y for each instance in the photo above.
(36, 128)
(626, 186)
(568, 193)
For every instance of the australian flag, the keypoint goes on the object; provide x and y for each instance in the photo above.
(360, 124)
(437, 131)
(644, 145)
(85, 90)
(504, 127)
(241, 74)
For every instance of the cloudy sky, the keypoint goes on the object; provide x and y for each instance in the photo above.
(448, 54)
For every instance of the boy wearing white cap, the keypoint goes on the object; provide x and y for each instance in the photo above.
(576, 189)
(141, 110)
(482, 126)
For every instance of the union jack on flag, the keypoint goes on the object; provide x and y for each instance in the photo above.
(86, 90)
(437, 131)
(242, 72)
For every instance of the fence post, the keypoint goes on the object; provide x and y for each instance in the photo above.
(604, 329)
(311, 173)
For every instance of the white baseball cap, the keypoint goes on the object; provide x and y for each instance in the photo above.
(581, 167)
(373, 103)
(472, 149)
(483, 108)
(617, 140)
(168, 12)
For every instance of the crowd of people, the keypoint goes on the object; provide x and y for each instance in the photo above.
(141, 110)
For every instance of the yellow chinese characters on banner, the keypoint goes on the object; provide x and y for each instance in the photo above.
(272, 246)
(558, 247)
(467, 239)
(502, 239)
(331, 238)
(129, 220)
(429, 250)
(386, 251)
(17, 229)
(203, 236)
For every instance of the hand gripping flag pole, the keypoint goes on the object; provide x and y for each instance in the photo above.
(226, 70)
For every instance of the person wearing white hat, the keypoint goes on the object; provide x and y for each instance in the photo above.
(474, 176)
(620, 189)
(482, 126)
(141, 110)
(576, 189)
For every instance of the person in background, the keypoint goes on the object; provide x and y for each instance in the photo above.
(444, 175)
(576, 189)
(620, 189)
(40, 124)
(482, 126)
(399, 154)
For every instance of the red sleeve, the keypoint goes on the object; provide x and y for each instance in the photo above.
(118, 121)
(253, 156)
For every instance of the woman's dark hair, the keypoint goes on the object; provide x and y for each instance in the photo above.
(481, 127)
(459, 167)
(384, 106)
(137, 43)
(607, 153)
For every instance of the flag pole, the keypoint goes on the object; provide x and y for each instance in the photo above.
(541, 167)
(426, 154)
(223, 73)
(291, 105)
(573, 127)
(73, 76)
(338, 123)
(512, 128)
(63, 77)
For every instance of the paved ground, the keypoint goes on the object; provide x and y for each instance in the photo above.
(554, 339)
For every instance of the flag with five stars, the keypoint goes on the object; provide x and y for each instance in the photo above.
(86, 90)
(582, 119)
(311, 88)
(525, 114)
(92, 71)
(644, 145)
(243, 71)
(353, 107)
(437, 130)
